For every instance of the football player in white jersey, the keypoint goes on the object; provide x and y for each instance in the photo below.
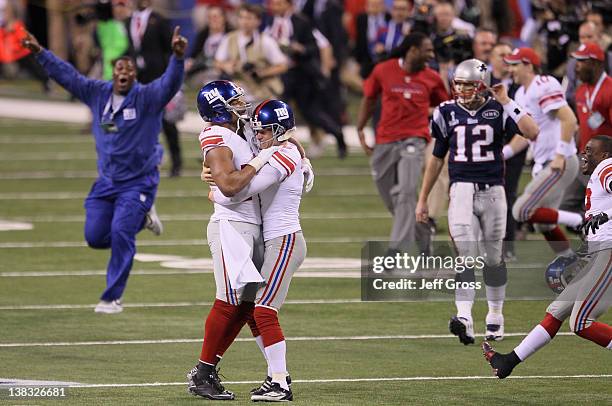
(232, 166)
(556, 164)
(279, 187)
(589, 295)
(472, 129)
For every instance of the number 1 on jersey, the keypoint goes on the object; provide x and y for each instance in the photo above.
(477, 145)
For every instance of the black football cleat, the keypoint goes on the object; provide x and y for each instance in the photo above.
(266, 385)
(274, 393)
(208, 386)
(462, 328)
(502, 364)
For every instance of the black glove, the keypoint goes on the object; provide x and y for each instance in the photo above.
(593, 223)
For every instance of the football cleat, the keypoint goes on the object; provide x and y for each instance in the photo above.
(112, 307)
(275, 393)
(495, 327)
(462, 328)
(266, 385)
(153, 223)
(208, 387)
(502, 364)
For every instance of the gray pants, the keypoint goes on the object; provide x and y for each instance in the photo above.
(396, 169)
(588, 296)
(252, 235)
(546, 189)
(282, 258)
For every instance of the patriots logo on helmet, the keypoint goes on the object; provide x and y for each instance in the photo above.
(482, 68)
(281, 113)
(213, 95)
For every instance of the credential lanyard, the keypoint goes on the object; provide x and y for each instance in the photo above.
(590, 99)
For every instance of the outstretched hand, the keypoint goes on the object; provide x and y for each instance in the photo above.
(30, 42)
(179, 43)
(500, 93)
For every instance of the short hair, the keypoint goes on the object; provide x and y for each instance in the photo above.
(606, 142)
(254, 9)
(123, 58)
(414, 39)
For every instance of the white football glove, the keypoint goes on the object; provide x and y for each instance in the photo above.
(263, 157)
(309, 175)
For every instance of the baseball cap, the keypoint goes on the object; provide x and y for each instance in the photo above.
(524, 55)
(589, 50)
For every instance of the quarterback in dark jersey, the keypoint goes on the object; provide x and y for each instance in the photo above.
(472, 128)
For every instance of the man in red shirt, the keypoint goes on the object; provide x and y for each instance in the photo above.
(594, 111)
(407, 88)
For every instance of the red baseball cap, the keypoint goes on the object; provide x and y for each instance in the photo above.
(589, 50)
(523, 55)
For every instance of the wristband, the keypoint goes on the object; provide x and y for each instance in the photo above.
(257, 163)
(507, 152)
(565, 148)
(514, 111)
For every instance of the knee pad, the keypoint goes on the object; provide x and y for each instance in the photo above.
(466, 276)
(495, 275)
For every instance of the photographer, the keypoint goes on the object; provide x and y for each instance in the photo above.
(251, 59)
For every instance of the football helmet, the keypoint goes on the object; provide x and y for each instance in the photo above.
(470, 80)
(560, 272)
(219, 99)
(274, 115)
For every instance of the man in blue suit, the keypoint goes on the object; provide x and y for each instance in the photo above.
(126, 122)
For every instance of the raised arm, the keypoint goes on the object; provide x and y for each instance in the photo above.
(526, 124)
(62, 72)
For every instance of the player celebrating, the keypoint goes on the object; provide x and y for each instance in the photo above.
(472, 127)
(279, 186)
(589, 295)
(556, 163)
(221, 103)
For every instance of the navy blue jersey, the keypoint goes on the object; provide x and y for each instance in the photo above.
(475, 140)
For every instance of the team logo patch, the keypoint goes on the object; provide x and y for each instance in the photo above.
(281, 113)
(490, 114)
(213, 95)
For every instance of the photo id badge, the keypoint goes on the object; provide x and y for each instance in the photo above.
(595, 120)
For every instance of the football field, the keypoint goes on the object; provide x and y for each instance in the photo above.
(340, 350)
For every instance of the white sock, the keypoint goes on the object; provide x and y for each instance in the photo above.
(276, 354)
(260, 344)
(536, 339)
(609, 345)
(495, 298)
(464, 299)
(569, 218)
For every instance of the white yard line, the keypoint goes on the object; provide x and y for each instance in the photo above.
(163, 194)
(206, 217)
(198, 340)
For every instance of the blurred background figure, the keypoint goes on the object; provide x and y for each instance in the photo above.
(149, 35)
(200, 64)
(370, 26)
(251, 59)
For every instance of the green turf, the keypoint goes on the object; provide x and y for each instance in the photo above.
(342, 188)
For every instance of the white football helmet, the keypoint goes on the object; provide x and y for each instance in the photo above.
(471, 80)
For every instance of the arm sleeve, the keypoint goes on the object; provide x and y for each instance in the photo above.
(438, 132)
(551, 96)
(210, 140)
(265, 178)
(68, 77)
(605, 177)
(159, 92)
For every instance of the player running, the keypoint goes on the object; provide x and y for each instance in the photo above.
(279, 187)
(472, 127)
(556, 163)
(589, 295)
(221, 103)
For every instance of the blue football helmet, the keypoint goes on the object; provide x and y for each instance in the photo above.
(560, 272)
(276, 116)
(214, 102)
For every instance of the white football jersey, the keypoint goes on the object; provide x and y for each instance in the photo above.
(280, 203)
(216, 136)
(543, 95)
(599, 199)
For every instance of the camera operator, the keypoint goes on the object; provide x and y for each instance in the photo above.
(252, 59)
